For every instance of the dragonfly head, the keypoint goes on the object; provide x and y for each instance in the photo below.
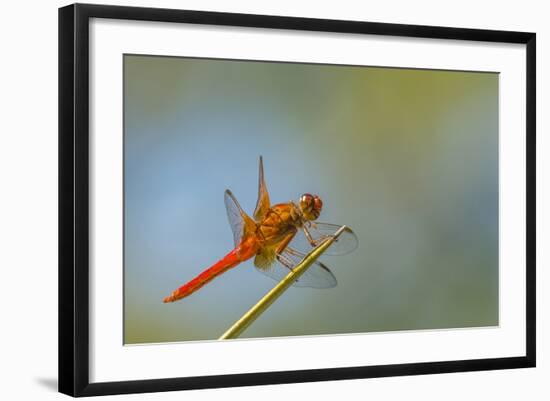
(310, 206)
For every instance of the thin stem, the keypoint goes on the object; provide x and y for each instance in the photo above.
(249, 317)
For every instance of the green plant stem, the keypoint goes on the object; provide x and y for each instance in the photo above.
(249, 317)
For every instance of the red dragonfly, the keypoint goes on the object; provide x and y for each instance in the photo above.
(267, 237)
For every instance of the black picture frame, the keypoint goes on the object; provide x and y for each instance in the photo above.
(74, 198)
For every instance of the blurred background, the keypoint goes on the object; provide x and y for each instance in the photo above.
(407, 158)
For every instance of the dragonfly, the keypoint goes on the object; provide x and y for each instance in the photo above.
(278, 237)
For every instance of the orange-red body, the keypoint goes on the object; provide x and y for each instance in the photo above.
(263, 237)
(279, 224)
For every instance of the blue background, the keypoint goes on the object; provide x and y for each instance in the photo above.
(407, 158)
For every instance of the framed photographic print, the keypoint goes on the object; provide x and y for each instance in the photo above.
(239, 190)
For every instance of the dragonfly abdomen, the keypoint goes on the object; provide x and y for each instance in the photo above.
(244, 251)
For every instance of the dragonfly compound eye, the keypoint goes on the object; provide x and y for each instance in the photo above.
(306, 202)
(317, 205)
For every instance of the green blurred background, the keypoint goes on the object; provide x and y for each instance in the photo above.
(408, 158)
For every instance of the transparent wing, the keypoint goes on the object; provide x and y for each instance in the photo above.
(316, 276)
(240, 222)
(262, 204)
(346, 242)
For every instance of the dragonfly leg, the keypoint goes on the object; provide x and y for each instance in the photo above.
(310, 238)
(285, 262)
(282, 246)
(294, 252)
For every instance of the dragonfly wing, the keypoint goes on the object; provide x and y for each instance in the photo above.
(262, 204)
(346, 242)
(265, 258)
(316, 276)
(240, 222)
